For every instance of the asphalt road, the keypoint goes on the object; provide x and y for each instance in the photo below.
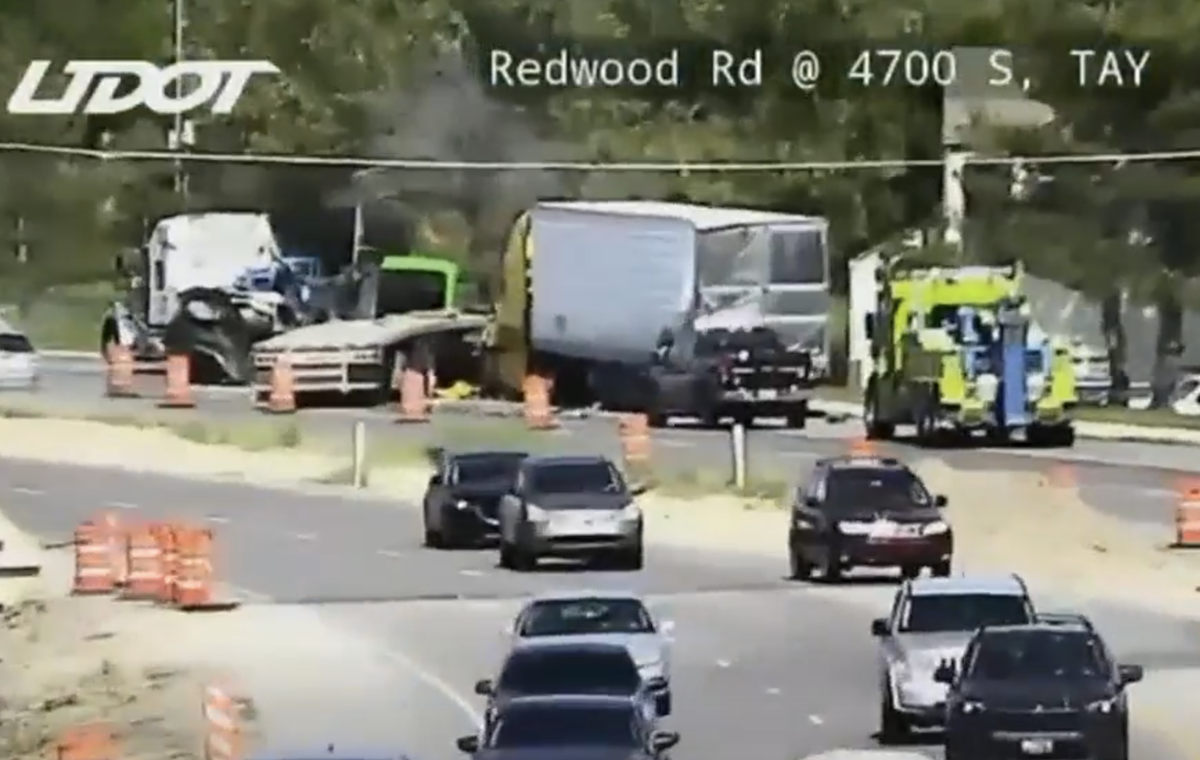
(782, 670)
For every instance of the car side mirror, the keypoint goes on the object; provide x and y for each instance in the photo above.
(945, 673)
(664, 740)
(869, 326)
(435, 480)
(879, 627)
(638, 489)
(484, 688)
(509, 628)
(468, 744)
(1128, 674)
(940, 501)
(811, 501)
(667, 626)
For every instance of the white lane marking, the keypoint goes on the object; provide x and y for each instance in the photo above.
(26, 491)
(723, 663)
(395, 656)
(121, 505)
(305, 536)
(390, 553)
(773, 691)
(816, 720)
(218, 519)
(471, 573)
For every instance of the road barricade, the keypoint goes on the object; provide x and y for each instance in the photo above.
(223, 737)
(1187, 518)
(144, 558)
(94, 741)
(93, 560)
(194, 586)
(119, 372)
(539, 415)
(165, 533)
(634, 433)
(178, 393)
(281, 399)
(116, 538)
(414, 402)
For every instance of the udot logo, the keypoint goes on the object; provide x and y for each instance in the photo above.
(219, 83)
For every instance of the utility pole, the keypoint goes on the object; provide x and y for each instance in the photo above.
(181, 136)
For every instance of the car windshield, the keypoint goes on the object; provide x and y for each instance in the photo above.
(1041, 654)
(858, 487)
(13, 343)
(570, 672)
(576, 477)
(567, 617)
(480, 469)
(561, 726)
(943, 613)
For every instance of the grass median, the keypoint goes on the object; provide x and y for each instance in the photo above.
(765, 490)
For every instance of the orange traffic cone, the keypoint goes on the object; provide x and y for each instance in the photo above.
(179, 384)
(282, 398)
(119, 371)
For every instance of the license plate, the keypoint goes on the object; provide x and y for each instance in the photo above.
(575, 527)
(1037, 746)
(768, 394)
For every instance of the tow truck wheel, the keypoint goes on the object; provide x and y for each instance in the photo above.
(940, 570)
(909, 572)
(797, 421)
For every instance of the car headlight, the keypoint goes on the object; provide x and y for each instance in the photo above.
(935, 528)
(801, 523)
(854, 528)
(651, 669)
(631, 511)
(536, 513)
(970, 707)
(900, 671)
(462, 504)
(1103, 706)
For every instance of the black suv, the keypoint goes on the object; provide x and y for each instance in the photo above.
(871, 512)
(1048, 689)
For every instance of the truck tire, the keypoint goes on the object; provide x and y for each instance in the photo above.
(874, 428)
(797, 418)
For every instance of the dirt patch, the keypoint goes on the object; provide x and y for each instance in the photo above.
(67, 662)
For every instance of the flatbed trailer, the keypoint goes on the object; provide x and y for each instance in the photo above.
(362, 357)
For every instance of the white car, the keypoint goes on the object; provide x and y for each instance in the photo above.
(18, 360)
(603, 617)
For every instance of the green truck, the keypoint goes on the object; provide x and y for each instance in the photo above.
(955, 354)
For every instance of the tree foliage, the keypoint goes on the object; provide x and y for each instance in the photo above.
(396, 79)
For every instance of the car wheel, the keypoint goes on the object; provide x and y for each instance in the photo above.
(662, 704)
(523, 560)
(941, 570)
(506, 555)
(633, 559)
(909, 572)
(832, 570)
(797, 421)
(893, 727)
(433, 539)
(800, 569)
